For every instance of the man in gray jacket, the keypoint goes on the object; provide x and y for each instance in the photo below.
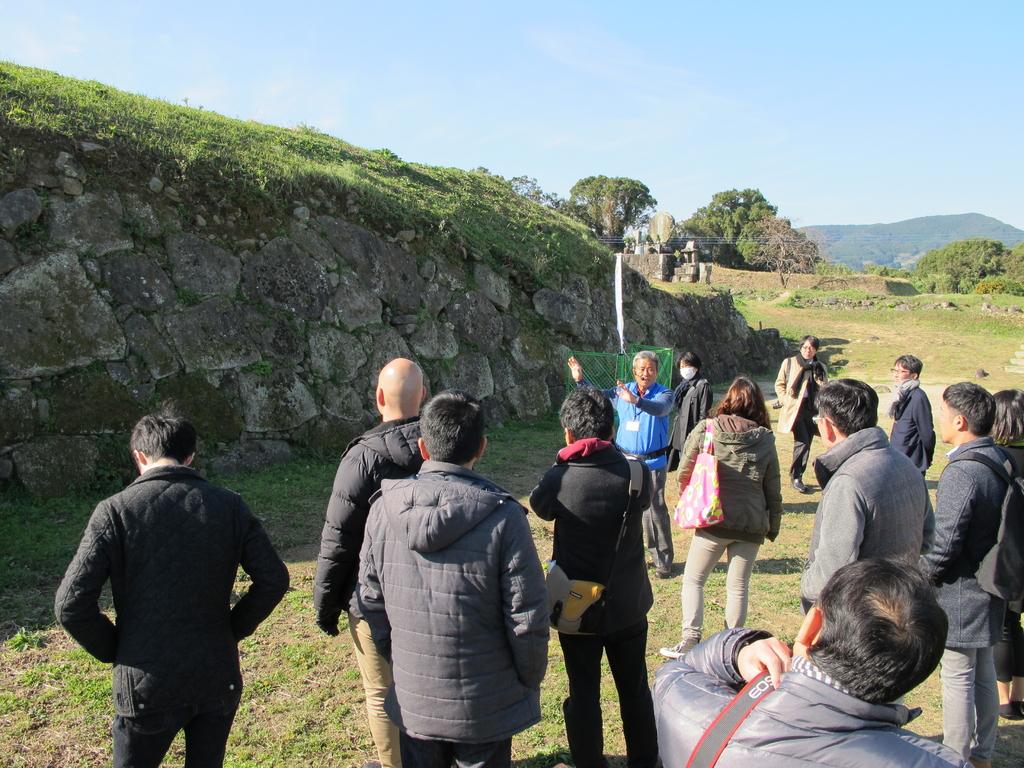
(969, 510)
(874, 501)
(453, 590)
(874, 635)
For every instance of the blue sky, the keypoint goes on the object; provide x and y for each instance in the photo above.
(840, 115)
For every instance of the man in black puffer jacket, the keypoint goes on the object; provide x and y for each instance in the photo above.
(171, 544)
(388, 451)
(586, 493)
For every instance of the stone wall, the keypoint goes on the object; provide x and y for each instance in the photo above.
(118, 294)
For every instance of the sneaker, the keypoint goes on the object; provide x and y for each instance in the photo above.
(663, 572)
(1011, 711)
(798, 484)
(680, 649)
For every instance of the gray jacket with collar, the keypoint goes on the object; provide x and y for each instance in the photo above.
(454, 593)
(874, 503)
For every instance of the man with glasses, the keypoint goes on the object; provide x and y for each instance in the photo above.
(642, 407)
(912, 433)
(874, 502)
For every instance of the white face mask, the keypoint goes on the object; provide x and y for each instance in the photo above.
(687, 373)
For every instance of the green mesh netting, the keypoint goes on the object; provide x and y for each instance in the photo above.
(603, 369)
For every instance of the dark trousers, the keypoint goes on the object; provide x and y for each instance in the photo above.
(626, 649)
(656, 522)
(142, 741)
(804, 431)
(424, 753)
(1009, 651)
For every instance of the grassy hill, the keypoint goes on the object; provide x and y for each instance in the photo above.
(208, 156)
(902, 243)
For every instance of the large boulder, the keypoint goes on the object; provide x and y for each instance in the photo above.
(8, 257)
(276, 402)
(145, 341)
(56, 465)
(138, 281)
(492, 285)
(530, 398)
(17, 415)
(212, 335)
(471, 373)
(352, 305)
(90, 402)
(140, 218)
(213, 410)
(92, 223)
(382, 344)
(389, 271)
(199, 266)
(283, 276)
(279, 335)
(475, 318)
(562, 312)
(54, 320)
(18, 208)
(334, 354)
(248, 455)
(434, 340)
(343, 402)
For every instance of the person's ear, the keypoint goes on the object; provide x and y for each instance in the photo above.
(483, 449)
(188, 460)
(141, 460)
(570, 438)
(809, 632)
(380, 399)
(423, 395)
(421, 444)
(959, 422)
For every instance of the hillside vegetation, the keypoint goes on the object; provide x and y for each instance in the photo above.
(251, 164)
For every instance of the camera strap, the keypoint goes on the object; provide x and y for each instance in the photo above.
(716, 737)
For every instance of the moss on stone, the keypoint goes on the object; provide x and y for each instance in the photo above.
(207, 408)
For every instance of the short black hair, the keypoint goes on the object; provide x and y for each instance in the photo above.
(911, 363)
(1008, 426)
(815, 341)
(165, 433)
(587, 412)
(974, 403)
(692, 359)
(452, 426)
(850, 404)
(883, 630)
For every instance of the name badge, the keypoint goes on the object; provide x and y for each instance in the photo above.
(633, 426)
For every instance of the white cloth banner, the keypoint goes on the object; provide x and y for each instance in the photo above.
(619, 323)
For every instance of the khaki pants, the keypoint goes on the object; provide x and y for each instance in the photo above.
(376, 673)
(705, 551)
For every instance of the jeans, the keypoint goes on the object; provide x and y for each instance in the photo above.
(804, 431)
(626, 650)
(375, 671)
(143, 740)
(970, 704)
(424, 753)
(657, 526)
(705, 551)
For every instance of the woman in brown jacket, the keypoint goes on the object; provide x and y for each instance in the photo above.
(750, 490)
(797, 386)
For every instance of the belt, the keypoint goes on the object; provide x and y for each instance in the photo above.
(648, 456)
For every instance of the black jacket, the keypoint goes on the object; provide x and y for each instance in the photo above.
(913, 433)
(586, 497)
(694, 405)
(171, 544)
(386, 452)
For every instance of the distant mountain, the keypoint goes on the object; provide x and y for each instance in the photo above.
(902, 243)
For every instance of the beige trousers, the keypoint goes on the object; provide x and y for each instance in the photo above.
(376, 673)
(705, 551)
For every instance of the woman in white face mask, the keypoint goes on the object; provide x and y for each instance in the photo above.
(692, 399)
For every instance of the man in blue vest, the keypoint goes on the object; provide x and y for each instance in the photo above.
(641, 408)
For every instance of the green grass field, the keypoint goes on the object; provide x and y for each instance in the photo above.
(303, 700)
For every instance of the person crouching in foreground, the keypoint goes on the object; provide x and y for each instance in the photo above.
(453, 590)
(170, 544)
(876, 633)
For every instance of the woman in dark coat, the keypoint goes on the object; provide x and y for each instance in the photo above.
(1008, 434)
(692, 399)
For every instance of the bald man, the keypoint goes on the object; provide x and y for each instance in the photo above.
(387, 451)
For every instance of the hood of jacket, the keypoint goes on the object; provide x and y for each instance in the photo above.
(738, 432)
(395, 441)
(438, 513)
(870, 439)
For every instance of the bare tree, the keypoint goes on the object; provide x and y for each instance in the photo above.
(782, 249)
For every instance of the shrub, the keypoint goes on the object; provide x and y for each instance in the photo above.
(1000, 284)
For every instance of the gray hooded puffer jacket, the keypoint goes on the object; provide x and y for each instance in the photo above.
(806, 722)
(453, 590)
